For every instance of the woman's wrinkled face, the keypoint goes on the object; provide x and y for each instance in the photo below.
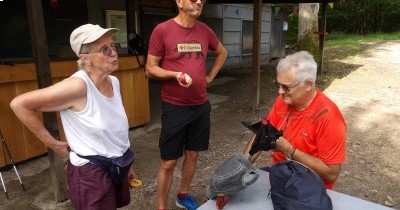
(104, 54)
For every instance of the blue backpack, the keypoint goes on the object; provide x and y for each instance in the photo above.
(296, 187)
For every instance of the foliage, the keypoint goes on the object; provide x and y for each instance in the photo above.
(292, 20)
(364, 16)
(353, 17)
(293, 26)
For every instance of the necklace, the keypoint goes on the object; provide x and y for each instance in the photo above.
(286, 120)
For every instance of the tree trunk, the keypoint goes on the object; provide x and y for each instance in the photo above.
(308, 24)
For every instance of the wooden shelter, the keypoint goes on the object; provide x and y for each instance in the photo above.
(46, 61)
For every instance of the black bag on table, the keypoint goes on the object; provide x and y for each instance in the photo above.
(297, 187)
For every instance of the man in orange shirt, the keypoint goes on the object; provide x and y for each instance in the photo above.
(314, 130)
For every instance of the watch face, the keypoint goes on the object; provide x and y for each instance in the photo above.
(288, 157)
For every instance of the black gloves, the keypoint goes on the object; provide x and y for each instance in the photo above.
(266, 136)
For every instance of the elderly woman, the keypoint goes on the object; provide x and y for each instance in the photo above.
(94, 121)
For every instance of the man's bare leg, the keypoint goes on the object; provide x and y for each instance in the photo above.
(164, 181)
(189, 167)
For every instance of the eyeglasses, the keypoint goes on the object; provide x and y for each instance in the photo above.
(286, 88)
(107, 50)
(194, 1)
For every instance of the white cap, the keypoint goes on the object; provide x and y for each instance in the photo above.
(85, 34)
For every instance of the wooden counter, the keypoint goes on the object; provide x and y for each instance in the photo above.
(20, 78)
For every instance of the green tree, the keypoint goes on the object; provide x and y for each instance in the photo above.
(364, 16)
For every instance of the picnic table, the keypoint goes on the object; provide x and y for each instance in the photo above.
(256, 197)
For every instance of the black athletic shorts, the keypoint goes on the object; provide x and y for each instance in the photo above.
(184, 128)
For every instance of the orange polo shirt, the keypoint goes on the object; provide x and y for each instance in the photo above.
(319, 130)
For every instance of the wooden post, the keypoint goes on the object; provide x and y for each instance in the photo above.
(130, 16)
(322, 33)
(257, 11)
(43, 75)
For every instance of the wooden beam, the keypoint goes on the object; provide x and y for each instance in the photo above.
(322, 34)
(257, 12)
(130, 16)
(43, 75)
(159, 3)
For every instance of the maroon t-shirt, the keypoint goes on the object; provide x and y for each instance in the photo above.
(183, 50)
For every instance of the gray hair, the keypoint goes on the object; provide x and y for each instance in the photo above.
(84, 48)
(304, 64)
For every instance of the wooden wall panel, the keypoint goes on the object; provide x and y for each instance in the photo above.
(31, 145)
(21, 78)
(2, 156)
(20, 141)
(142, 101)
(6, 94)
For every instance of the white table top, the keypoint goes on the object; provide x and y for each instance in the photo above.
(255, 197)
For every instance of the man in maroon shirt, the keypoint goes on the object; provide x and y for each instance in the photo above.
(177, 56)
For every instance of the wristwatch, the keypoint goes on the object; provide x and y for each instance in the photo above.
(289, 156)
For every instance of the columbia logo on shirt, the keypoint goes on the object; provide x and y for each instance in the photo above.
(189, 47)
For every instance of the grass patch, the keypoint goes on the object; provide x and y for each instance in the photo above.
(352, 46)
(338, 38)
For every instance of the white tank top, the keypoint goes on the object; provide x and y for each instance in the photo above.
(101, 128)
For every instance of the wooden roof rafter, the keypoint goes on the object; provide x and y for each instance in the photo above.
(269, 1)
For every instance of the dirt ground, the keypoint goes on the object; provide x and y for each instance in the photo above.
(365, 87)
